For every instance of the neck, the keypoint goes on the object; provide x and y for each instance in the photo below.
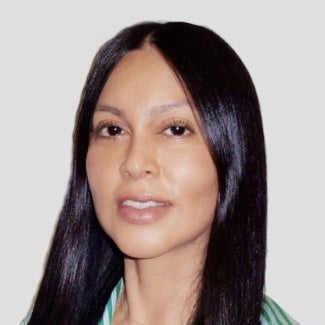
(161, 290)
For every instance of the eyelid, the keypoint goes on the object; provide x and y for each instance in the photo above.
(177, 121)
(98, 128)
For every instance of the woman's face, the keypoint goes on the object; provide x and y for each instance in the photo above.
(152, 179)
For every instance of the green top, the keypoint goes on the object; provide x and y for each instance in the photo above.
(272, 313)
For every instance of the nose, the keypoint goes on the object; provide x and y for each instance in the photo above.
(140, 160)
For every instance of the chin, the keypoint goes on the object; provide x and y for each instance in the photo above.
(140, 248)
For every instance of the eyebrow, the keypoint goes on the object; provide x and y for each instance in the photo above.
(108, 108)
(153, 111)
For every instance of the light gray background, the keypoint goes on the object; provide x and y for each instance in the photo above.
(46, 51)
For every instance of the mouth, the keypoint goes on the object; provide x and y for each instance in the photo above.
(142, 205)
(142, 209)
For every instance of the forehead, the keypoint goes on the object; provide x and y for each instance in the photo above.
(142, 77)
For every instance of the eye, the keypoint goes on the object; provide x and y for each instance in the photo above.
(112, 130)
(178, 129)
(107, 130)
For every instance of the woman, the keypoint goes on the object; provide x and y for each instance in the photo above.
(164, 221)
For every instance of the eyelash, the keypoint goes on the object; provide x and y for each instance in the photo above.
(99, 129)
(177, 123)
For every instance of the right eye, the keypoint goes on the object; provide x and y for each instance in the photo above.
(111, 130)
(107, 130)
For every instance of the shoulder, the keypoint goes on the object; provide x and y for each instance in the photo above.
(273, 314)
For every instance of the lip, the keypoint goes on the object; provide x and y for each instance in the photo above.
(145, 215)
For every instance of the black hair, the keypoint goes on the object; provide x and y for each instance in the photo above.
(84, 265)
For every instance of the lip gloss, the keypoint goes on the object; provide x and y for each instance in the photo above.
(142, 213)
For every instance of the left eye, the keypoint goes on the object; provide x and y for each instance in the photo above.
(177, 130)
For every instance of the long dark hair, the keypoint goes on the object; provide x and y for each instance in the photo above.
(84, 265)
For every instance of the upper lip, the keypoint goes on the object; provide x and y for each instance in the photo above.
(142, 198)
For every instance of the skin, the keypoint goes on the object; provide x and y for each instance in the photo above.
(146, 145)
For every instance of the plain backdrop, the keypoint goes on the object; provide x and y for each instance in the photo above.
(46, 51)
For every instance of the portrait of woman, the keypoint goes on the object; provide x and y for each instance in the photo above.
(164, 221)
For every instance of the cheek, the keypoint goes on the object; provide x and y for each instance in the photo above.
(93, 169)
(192, 177)
(100, 173)
(195, 172)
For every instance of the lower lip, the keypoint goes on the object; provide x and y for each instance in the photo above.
(142, 216)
